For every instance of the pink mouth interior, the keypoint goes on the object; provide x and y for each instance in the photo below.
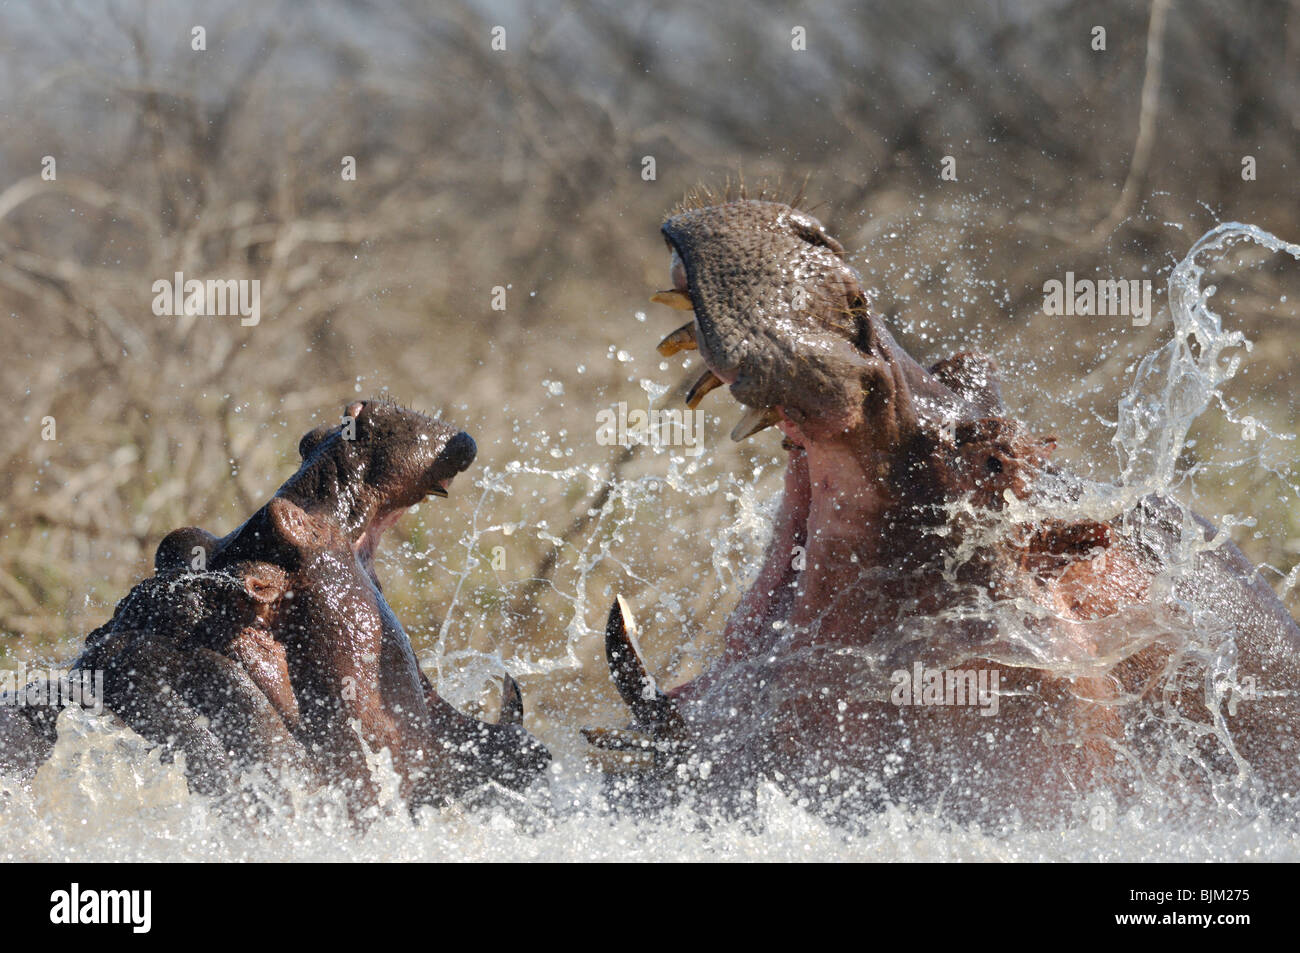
(366, 546)
(802, 518)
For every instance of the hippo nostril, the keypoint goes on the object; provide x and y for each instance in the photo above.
(459, 452)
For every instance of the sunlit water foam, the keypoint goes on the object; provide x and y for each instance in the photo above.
(106, 795)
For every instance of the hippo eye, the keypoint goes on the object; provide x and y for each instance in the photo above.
(994, 465)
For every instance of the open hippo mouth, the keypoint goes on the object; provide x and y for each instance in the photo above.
(382, 460)
(782, 319)
(880, 446)
(279, 635)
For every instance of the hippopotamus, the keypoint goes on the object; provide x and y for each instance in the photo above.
(943, 617)
(274, 645)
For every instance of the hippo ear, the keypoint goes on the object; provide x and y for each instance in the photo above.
(292, 524)
(187, 548)
(312, 439)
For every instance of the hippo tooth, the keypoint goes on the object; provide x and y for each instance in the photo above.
(707, 382)
(683, 339)
(652, 710)
(635, 685)
(512, 702)
(678, 300)
(624, 620)
(754, 420)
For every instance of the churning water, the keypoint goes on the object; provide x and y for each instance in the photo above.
(106, 795)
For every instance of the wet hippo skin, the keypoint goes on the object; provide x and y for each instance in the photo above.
(274, 645)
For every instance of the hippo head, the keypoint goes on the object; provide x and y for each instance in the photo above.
(316, 635)
(882, 449)
(365, 472)
(782, 318)
(356, 479)
(779, 315)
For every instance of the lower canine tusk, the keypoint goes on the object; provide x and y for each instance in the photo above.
(652, 710)
(512, 702)
(623, 654)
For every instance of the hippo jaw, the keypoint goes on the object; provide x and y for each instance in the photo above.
(883, 456)
(382, 460)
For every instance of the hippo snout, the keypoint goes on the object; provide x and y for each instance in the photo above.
(459, 452)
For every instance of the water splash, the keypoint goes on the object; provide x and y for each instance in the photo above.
(1176, 384)
(109, 799)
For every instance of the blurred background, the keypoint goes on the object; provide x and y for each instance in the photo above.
(523, 168)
